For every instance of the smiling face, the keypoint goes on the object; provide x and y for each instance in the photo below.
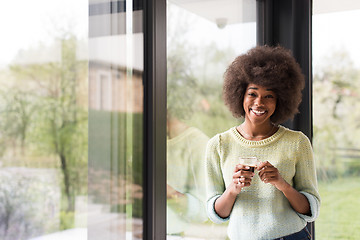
(259, 104)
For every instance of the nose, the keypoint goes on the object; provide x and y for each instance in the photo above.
(259, 101)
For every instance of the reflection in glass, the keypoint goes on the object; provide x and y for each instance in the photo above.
(43, 120)
(115, 120)
(185, 148)
(200, 44)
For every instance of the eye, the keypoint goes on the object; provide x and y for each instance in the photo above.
(269, 96)
(252, 94)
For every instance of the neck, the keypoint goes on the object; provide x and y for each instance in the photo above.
(256, 132)
(175, 127)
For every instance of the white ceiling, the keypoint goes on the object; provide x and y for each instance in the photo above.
(221, 11)
(327, 6)
(237, 11)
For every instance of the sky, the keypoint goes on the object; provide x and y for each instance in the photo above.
(25, 23)
(336, 31)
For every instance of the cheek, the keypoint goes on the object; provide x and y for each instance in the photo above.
(246, 104)
(273, 106)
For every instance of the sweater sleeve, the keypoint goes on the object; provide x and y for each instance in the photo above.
(196, 181)
(215, 185)
(192, 151)
(305, 178)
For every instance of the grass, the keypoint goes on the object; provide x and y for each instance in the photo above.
(340, 210)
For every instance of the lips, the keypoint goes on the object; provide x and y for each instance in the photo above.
(258, 112)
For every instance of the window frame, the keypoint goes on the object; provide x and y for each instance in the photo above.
(154, 81)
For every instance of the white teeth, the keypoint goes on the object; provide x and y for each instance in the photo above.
(258, 112)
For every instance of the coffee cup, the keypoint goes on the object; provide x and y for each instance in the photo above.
(251, 162)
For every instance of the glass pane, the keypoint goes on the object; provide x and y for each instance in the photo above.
(336, 117)
(201, 44)
(115, 120)
(43, 120)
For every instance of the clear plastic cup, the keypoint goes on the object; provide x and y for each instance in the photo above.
(252, 162)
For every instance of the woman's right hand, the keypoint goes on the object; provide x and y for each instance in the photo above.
(241, 178)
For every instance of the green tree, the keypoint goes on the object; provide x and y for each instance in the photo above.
(336, 121)
(56, 114)
(16, 116)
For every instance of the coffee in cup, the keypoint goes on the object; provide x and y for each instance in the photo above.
(249, 161)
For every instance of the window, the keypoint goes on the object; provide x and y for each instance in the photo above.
(203, 37)
(115, 190)
(43, 125)
(104, 91)
(336, 91)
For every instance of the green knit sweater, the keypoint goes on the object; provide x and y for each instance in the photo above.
(261, 211)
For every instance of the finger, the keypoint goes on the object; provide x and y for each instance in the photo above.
(239, 167)
(265, 180)
(268, 169)
(263, 164)
(238, 186)
(236, 180)
(240, 180)
(270, 179)
(246, 184)
(268, 175)
(242, 184)
(269, 164)
(271, 171)
(243, 173)
(246, 180)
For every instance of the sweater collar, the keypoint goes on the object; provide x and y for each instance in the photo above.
(259, 143)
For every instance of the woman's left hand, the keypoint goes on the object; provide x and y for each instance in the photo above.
(270, 174)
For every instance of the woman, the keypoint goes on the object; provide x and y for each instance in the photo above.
(276, 202)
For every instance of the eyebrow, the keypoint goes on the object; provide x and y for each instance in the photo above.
(255, 88)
